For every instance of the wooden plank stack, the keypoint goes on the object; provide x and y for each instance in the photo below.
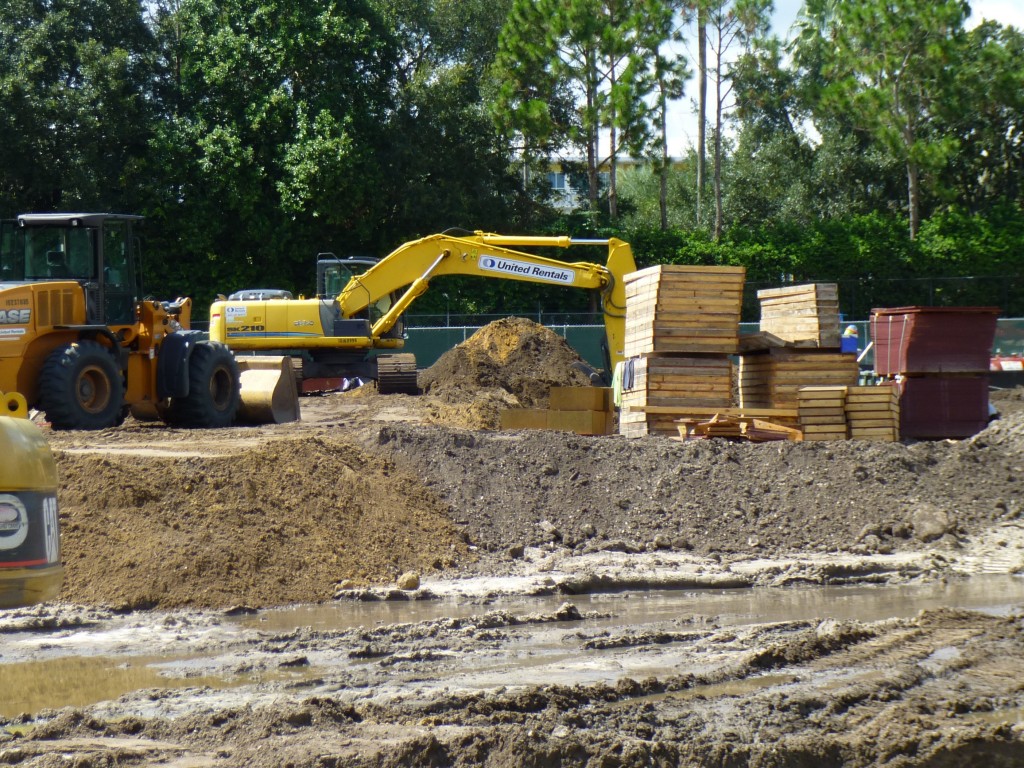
(873, 413)
(583, 410)
(674, 384)
(822, 412)
(804, 315)
(772, 378)
(677, 309)
(682, 323)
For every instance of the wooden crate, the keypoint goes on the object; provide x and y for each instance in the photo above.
(583, 410)
(772, 378)
(676, 309)
(802, 314)
(873, 413)
(524, 418)
(582, 422)
(822, 412)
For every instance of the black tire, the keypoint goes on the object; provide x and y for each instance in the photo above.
(213, 390)
(81, 387)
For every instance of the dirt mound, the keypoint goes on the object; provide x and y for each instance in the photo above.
(1008, 401)
(514, 356)
(279, 524)
(716, 497)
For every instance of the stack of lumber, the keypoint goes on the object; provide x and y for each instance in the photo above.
(873, 413)
(682, 323)
(822, 412)
(583, 410)
(671, 385)
(803, 315)
(772, 378)
(673, 309)
(735, 428)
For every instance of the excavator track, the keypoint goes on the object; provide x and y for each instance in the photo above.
(396, 374)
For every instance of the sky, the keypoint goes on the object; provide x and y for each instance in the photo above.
(682, 123)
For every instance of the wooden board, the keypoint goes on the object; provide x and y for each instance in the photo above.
(580, 399)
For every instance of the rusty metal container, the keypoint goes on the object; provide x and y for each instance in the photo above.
(938, 407)
(909, 340)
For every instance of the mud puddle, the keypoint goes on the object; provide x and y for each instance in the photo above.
(992, 594)
(419, 648)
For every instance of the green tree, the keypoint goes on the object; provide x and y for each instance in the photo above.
(984, 113)
(269, 146)
(75, 78)
(446, 166)
(601, 53)
(732, 23)
(888, 69)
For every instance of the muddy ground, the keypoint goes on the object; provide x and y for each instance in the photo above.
(521, 644)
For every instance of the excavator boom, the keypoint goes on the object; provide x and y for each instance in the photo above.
(364, 315)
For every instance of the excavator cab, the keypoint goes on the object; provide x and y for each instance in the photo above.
(334, 274)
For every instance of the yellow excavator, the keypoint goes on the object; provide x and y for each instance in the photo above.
(340, 333)
(79, 342)
(30, 566)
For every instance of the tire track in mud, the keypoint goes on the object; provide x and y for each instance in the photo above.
(941, 688)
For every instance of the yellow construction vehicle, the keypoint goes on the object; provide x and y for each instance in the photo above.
(340, 332)
(79, 342)
(30, 567)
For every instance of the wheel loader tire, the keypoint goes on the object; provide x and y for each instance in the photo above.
(213, 390)
(81, 387)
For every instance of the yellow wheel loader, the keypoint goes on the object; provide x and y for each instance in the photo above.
(357, 313)
(30, 567)
(78, 342)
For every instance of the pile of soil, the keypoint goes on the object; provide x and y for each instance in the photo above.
(715, 497)
(289, 520)
(280, 523)
(510, 363)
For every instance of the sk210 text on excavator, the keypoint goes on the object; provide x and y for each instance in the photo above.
(341, 333)
(78, 342)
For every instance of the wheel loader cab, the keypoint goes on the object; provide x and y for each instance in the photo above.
(98, 251)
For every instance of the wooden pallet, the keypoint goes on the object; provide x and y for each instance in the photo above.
(802, 313)
(736, 428)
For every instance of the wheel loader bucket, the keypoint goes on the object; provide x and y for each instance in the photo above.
(269, 392)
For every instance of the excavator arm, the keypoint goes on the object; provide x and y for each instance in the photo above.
(340, 337)
(414, 264)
